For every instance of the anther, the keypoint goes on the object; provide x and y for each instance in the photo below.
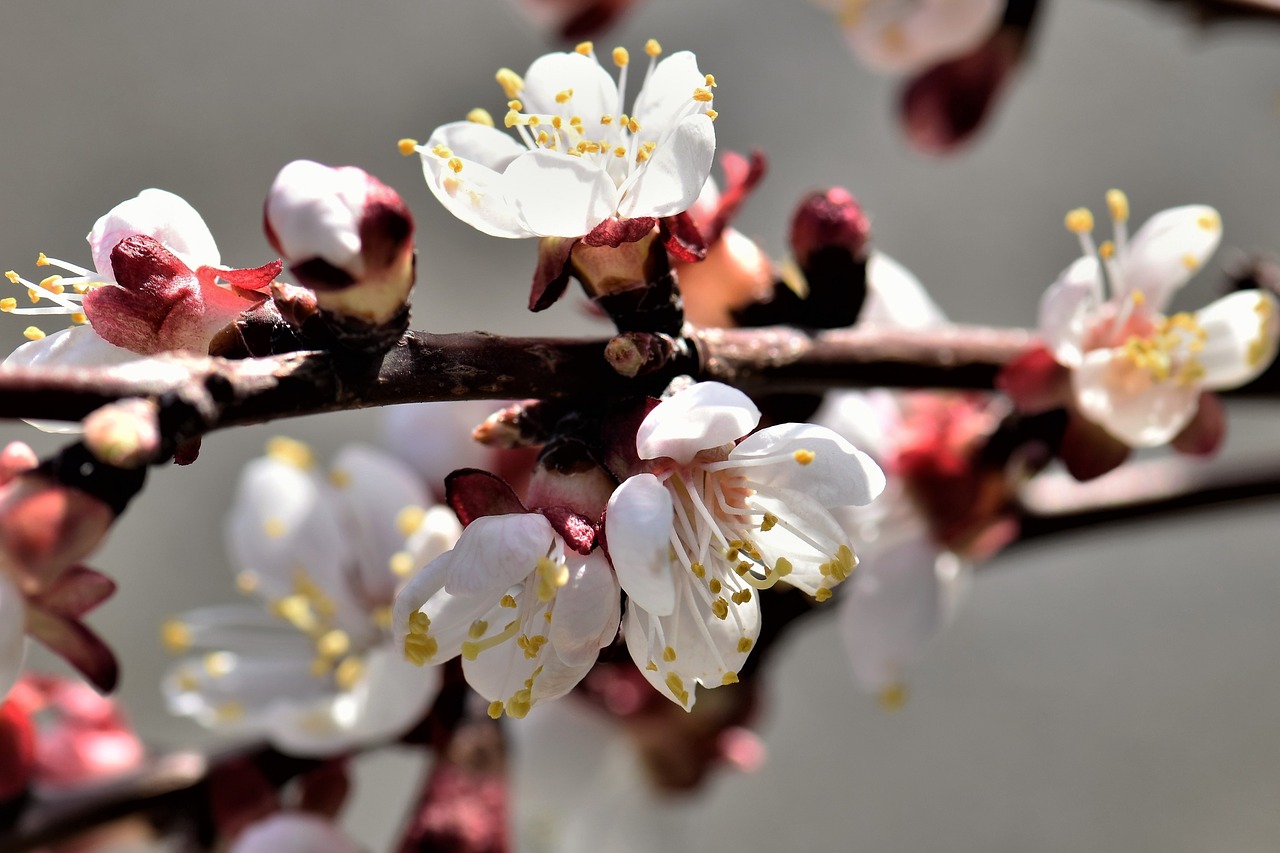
(653, 48)
(42, 260)
(703, 95)
(401, 564)
(804, 457)
(710, 81)
(479, 115)
(291, 452)
(408, 147)
(1191, 262)
(31, 333)
(511, 82)
(410, 519)
(564, 96)
(455, 164)
(712, 114)
(8, 304)
(585, 48)
(1118, 203)
(621, 57)
(1079, 221)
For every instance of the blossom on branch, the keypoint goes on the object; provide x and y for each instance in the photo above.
(1113, 355)
(714, 521)
(897, 36)
(317, 670)
(157, 286)
(580, 165)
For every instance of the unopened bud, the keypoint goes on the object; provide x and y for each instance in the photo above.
(125, 434)
(17, 749)
(345, 235)
(829, 219)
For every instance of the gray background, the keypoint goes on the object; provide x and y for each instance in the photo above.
(1113, 692)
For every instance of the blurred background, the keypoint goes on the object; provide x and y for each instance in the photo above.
(1108, 691)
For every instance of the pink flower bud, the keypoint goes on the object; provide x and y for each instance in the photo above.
(346, 235)
(829, 219)
(17, 749)
(45, 527)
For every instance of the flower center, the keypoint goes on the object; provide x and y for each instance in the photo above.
(60, 295)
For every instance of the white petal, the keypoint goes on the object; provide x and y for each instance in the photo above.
(375, 488)
(895, 297)
(892, 608)
(638, 530)
(867, 419)
(807, 535)
(390, 698)
(587, 610)
(896, 37)
(241, 628)
(315, 212)
(425, 585)
(475, 194)
(435, 438)
(837, 473)
(701, 417)
(557, 195)
(670, 181)
(293, 832)
(158, 214)
(13, 627)
(498, 551)
(437, 533)
(667, 97)
(1127, 403)
(1240, 342)
(594, 92)
(1167, 251)
(1066, 307)
(242, 693)
(78, 346)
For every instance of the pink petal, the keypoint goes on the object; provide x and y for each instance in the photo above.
(77, 645)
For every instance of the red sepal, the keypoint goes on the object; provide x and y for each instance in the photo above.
(577, 532)
(551, 276)
(71, 640)
(614, 232)
(1035, 381)
(1088, 450)
(740, 176)
(473, 494)
(682, 238)
(1207, 430)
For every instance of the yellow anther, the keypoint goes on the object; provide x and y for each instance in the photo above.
(744, 645)
(604, 119)
(79, 318)
(419, 649)
(419, 622)
(710, 81)
(295, 610)
(455, 164)
(768, 522)
(410, 519)
(576, 121)
(401, 564)
(564, 96)
(702, 95)
(557, 122)
(348, 673)
(477, 629)
(520, 705)
(714, 586)
(515, 104)
(699, 570)
(712, 114)
(479, 115)
(1118, 203)
(1138, 297)
(247, 582)
(42, 260)
(720, 608)
(742, 568)
(804, 457)
(584, 48)
(893, 697)
(83, 287)
(1107, 250)
(382, 617)
(33, 295)
(32, 333)
(511, 119)
(534, 121)
(742, 596)
(218, 664)
(1191, 262)
(52, 284)
(8, 304)
(531, 646)
(274, 527)
(339, 479)
(511, 82)
(1079, 221)
(290, 452)
(822, 594)
(621, 56)
(669, 654)
(651, 667)
(175, 635)
(619, 152)
(543, 137)
(408, 147)
(442, 151)
(633, 125)
(649, 146)
(653, 48)
(13, 277)
(1210, 221)
(333, 644)
(676, 686)
(495, 710)
(229, 712)
(729, 678)
(551, 576)
(508, 600)
(642, 156)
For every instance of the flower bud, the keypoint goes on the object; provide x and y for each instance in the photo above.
(125, 434)
(347, 236)
(829, 219)
(17, 749)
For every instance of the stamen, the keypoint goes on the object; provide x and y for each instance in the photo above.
(408, 147)
(512, 83)
(653, 48)
(480, 116)
(291, 452)
(1079, 221)
(621, 57)
(1118, 204)
(32, 333)
(585, 48)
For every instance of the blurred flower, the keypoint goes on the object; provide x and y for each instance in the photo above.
(157, 285)
(318, 670)
(1134, 371)
(527, 611)
(573, 19)
(713, 523)
(345, 235)
(581, 167)
(898, 36)
(293, 832)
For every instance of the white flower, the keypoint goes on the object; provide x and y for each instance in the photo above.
(435, 438)
(317, 671)
(528, 614)
(13, 633)
(694, 541)
(293, 832)
(1134, 371)
(899, 36)
(579, 159)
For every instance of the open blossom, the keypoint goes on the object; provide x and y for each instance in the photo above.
(526, 611)
(896, 36)
(316, 670)
(1136, 372)
(157, 285)
(712, 523)
(579, 162)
